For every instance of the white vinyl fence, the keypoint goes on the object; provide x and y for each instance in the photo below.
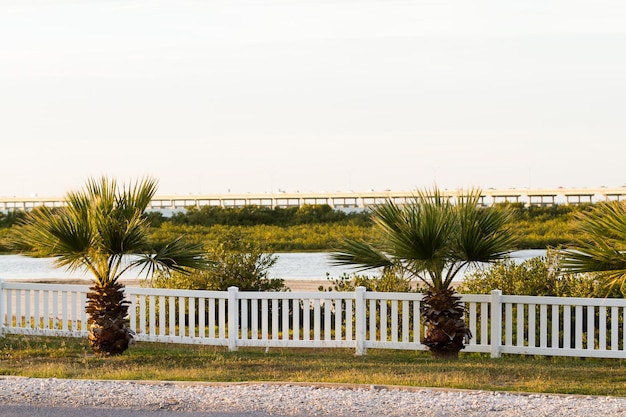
(500, 324)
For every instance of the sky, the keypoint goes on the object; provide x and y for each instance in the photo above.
(263, 96)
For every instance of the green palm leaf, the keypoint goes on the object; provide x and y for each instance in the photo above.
(361, 255)
(602, 247)
(431, 238)
(176, 256)
(101, 226)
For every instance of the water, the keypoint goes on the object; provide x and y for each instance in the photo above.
(296, 266)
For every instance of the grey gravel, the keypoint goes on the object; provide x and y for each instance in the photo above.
(298, 400)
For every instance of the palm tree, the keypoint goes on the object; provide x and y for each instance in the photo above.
(432, 239)
(103, 230)
(601, 246)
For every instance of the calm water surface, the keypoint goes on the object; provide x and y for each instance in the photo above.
(304, 266)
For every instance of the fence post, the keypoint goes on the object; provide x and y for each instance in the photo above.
(360, 320)
(233, 318)
(2, 312)
(496, 323)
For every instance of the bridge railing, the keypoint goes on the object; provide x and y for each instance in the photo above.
(500, 324)
(347, 200)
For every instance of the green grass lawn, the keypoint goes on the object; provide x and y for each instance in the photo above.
(71, 358)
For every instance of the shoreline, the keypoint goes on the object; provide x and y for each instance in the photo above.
(295, 285)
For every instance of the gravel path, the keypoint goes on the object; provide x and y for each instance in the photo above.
(299, 400)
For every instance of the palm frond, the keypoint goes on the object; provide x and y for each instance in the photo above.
(44, 232)
(361, 255)
(100, 226)
(415, 231)
(602, 247)
(429, 236)
(121, 234)
(176, 256)
(136, 197)
(484, 232)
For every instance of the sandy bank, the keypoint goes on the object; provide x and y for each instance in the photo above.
(293, 285)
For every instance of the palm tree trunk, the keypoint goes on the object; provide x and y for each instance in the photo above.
(446, 331)
(109, 330)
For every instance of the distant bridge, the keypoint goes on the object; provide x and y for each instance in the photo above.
(347, 200)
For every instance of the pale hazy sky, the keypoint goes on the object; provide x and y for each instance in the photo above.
(312, 95)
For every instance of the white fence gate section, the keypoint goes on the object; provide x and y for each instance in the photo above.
(500, 324)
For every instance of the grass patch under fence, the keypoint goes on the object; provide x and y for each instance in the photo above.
(57, 357)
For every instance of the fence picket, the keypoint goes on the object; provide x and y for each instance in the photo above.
(274, 319)
(590, 327)
(614, 328)
(417, 323)
(83, 313)
(348, 320)
(579, 327)
(172, 315)
(520, 324)
(484, 323)
(338, 319)
(306, 326)
(233, 318)
(3, 315)
(142, 314)
(64, 315)
(394, 320)
(567, 327)
(602, 328)
(372, 326)
(285, 314)
(46, 311)
(18, 308)
(27, 309)
(75, 310)
(327, 319)
(55, 310)
(624, 328)
(543, 326)
(264, 323)
(532, 325)
(296, 320)
(243, 319)
(360, 321)
(37, 317)
(182, 322)
(222, 318)
(405, 321)
(383, 320)
(555, 326)
(192, 316)
(317, 320)
(162, 310)
(472, 322)
(508, 324)
(254, 307)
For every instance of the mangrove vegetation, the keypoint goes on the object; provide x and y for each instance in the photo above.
(321, 228)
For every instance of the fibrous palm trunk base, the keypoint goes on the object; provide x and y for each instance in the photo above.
(109, 330)
(446, 331)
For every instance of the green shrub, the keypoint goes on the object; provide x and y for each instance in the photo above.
(237, 262)
(4, 245)
(252, 215)
(389, 281)
(274, 238)
(10, 218)
(540, 276)
(531, 277)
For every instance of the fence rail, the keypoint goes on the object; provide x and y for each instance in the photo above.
(500, 324)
